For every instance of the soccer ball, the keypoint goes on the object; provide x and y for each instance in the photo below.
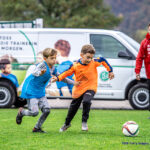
(130, 128)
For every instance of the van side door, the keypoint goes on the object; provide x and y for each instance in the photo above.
(109, 47)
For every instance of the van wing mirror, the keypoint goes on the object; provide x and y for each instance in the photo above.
(123, 54)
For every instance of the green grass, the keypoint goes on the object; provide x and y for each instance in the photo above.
(104, 131)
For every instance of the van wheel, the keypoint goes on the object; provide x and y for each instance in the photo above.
(7, 95)
(139, 96)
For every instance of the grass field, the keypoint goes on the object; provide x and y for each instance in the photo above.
(104, 131)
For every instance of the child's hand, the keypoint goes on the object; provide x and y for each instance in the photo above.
(77, 83)
(42, 72)
(111, 75)
(54, 79)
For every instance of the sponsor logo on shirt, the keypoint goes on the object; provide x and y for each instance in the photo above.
(148, 49)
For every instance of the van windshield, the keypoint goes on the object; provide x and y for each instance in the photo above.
(131, 41)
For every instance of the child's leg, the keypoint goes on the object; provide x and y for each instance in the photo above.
(87, 97)
(45, 108)
(33, 109)
(75, 104)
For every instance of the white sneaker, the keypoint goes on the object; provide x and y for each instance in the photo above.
(84, 126)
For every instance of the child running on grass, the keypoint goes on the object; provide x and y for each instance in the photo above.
(85, 70)
(34, 89)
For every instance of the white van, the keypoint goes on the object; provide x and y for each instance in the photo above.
(119, 49)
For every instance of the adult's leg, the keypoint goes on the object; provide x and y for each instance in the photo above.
(74, 106)
(45, 108)
(87, 97)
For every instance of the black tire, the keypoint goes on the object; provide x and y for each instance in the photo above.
(139, 96)
(7, 94)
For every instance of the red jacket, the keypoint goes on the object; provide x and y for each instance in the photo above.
(144, 54)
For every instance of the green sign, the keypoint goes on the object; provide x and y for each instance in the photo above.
(104, 76)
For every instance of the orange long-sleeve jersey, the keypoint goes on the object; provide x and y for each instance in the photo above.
(87, 74)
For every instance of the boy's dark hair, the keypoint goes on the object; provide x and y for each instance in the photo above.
(88, 48)
(3, 63)
(149, 25)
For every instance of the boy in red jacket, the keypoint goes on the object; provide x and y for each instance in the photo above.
(144, 54)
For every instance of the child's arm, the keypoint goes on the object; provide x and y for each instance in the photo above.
(63, 75)
(66, 80)
(103, 61)
(68, 72)
(39, 70)
(69, 81)
(17, 92)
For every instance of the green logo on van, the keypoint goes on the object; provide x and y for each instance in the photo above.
(104, 76)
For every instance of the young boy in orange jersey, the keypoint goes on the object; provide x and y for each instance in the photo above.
(85, 71)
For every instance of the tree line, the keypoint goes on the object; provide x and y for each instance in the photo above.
(60, 13)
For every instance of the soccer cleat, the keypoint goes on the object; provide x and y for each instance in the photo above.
(64, 127)
(84, 126)
(38, 130)
(19, 116)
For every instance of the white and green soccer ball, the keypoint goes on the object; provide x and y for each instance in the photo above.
(130, 128)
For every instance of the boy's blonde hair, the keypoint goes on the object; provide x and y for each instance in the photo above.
(49, 52)
(88, 48)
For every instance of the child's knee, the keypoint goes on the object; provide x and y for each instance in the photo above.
(35, 113)
(46, 111)
(86, 102)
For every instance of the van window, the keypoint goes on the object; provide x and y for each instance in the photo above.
(106, 46)
(131, 41)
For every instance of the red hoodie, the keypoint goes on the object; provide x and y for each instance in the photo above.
(144, 54)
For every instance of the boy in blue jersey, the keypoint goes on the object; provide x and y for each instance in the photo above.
(6, 69)
(34, 90)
